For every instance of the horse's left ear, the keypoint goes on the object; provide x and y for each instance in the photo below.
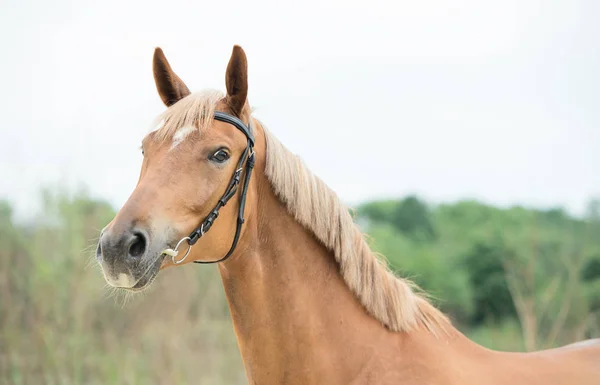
(236, 80)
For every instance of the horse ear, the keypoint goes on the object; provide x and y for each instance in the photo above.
(236, 80)
(170, 87)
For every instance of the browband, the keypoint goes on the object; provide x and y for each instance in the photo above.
(224, 117)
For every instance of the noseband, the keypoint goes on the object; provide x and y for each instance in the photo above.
(246, 162)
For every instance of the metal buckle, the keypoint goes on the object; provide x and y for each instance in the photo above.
(174, 252)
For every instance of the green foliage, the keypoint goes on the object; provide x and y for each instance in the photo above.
(591, 270)
(592, 293)
(410, 216)
(492, 299)
(490, 266)
(379, 211)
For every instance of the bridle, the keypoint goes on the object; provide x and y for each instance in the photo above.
(248, 158)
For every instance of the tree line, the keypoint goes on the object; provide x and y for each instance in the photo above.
(487, 265)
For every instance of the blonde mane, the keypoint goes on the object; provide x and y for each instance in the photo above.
(393, 301)
(390, 299)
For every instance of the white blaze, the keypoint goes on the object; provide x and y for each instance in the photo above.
(180, 135)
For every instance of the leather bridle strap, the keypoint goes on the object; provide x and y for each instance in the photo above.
(246, 163)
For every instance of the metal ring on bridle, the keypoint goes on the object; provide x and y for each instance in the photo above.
(177, 251)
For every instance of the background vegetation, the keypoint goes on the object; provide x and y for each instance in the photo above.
(511, 279)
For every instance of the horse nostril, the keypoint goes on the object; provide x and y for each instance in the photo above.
(99, 250)
(138, 245)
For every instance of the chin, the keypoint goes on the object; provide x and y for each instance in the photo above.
(145, 281)
(137, 283)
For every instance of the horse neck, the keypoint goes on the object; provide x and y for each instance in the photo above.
(295, 318)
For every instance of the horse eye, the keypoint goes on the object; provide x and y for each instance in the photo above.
(220, 156)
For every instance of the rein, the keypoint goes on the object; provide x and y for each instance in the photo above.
(248, 158)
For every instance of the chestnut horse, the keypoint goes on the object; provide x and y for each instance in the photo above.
(310, 302)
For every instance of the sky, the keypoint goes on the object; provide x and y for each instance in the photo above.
(495, 101)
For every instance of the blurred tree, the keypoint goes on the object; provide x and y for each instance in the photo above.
(484, 264)
(543, 276)
(378, 211)
(410, 216)
(591, 270)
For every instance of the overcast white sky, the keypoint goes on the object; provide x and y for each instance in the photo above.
(493, 100)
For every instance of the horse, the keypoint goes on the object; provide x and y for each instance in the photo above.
(310, 302)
